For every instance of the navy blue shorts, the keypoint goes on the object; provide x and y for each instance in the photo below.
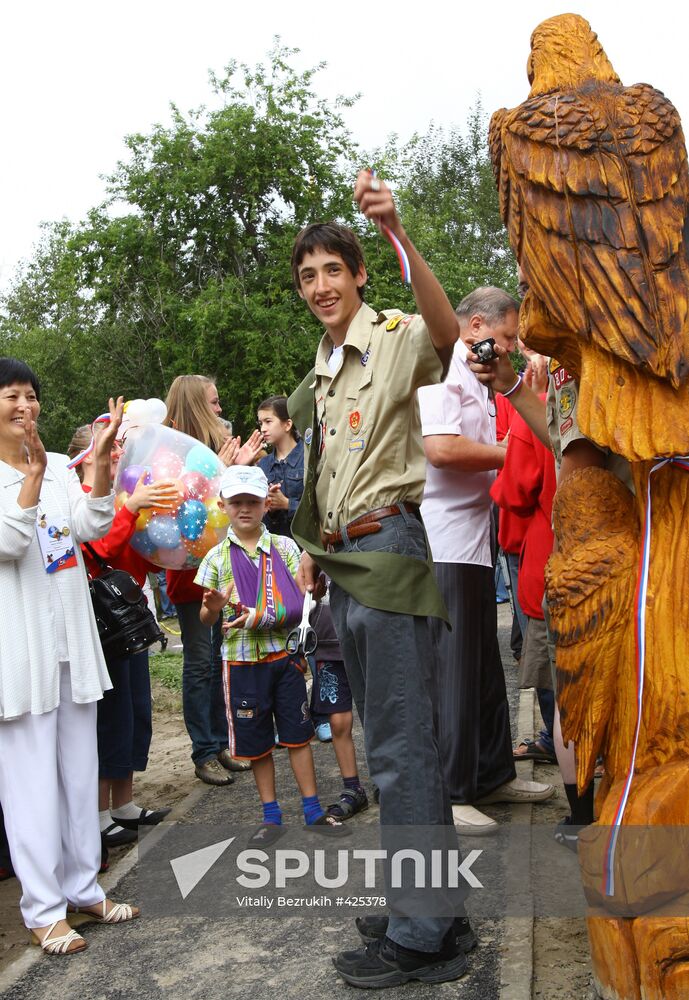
(330, 692)
(263, 697)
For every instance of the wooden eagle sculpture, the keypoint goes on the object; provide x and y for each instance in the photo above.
(594, 191)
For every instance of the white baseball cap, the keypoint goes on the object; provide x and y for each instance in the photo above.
(240, 479)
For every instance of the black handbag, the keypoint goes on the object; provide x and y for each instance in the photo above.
(125, 623)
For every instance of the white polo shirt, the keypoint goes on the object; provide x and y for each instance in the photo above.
(456, 505)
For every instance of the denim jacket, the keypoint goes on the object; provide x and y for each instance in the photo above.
(290, 473)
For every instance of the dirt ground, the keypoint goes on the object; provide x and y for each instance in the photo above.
(168, 778)
(561, 956)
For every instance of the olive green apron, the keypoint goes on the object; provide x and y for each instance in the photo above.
(386, 581)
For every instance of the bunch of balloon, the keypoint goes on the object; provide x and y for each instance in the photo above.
(180, 536)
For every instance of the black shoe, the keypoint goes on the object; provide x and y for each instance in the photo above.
(375, 927)
(147, 817)
(567, 834)
(111, 839)
(266, 834)
(382, 964)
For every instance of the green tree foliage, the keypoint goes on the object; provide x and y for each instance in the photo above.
(185, 268)
(449, 204)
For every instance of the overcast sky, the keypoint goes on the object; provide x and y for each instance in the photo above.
(78, 75)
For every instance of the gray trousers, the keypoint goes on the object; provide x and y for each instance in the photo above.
(388, 657)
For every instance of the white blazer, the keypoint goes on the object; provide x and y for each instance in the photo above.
(32, 602)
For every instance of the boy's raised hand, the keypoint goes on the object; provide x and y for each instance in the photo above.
(375, 200)
(215, 600)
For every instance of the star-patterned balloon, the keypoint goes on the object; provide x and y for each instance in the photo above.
(192, 519)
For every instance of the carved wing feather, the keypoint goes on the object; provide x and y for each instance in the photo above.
(594, 187)
(590, 585)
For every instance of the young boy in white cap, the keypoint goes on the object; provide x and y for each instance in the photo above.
(249, 578)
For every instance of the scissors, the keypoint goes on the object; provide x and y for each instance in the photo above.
(303, 640)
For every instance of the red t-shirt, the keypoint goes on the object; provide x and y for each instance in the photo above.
(181, 588)
(511, 527)
(115, 548)
(526, 487)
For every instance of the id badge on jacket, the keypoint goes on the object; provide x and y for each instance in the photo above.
(56, 543)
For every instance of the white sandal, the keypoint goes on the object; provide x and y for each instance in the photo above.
(117, 914)
(61, 945)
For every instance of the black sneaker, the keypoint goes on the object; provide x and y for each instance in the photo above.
(375, 927)
(381, 964)
(567, 834)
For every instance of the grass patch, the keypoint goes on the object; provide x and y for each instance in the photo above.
(166, 669)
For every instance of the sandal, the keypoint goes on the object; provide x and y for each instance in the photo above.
(533, 751)
(327, 826)
(63, 944)
(352, 801)
(117, 914)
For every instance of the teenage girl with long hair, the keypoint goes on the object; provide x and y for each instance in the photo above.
(193, 408)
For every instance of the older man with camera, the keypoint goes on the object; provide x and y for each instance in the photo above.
(458, 426)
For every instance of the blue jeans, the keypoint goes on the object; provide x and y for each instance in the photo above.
(389, 662)
(546, 703)
(203, 701)
(167, 608)
(513, 568)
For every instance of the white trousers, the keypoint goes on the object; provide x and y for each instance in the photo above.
(49, 794)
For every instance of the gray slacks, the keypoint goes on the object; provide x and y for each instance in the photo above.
(388, 661)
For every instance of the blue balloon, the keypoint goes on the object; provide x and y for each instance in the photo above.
(142, 543)
(201, 459)
(191, 518)
(163, 532)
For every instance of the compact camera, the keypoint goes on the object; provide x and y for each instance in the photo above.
(485, 350)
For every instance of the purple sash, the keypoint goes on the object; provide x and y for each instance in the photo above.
(269, 587)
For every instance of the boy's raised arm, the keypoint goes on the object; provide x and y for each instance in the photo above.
(376, 202)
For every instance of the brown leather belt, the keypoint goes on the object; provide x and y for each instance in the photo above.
(369, 524)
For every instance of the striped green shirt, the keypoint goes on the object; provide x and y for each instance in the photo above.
(215, 573)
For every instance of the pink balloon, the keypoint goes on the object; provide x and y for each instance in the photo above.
(196, 486)
(166, 464)
(171, 558)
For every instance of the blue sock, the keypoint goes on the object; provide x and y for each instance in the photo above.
(352, 783)
(312, 809)
(272, 813)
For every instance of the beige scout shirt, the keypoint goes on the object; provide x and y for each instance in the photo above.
(371, 449)
(563, 425)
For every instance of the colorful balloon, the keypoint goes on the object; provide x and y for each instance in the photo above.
(129, 477)
(201, 459)
(196, 486)
(165, 464)
(164, 532)
(202, 545)
(145, 515)
(143, 545)
(216, 518)
(173, 559)
(192, 519)
(179, 535)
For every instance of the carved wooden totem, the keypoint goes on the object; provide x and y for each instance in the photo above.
(594, 191)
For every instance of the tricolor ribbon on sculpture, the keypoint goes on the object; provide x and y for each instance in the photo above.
(104, 418)
(640, 630)
(405, 267)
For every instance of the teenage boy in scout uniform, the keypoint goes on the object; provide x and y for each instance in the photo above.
(359, 522)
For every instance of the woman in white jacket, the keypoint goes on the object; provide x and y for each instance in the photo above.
(52, 670)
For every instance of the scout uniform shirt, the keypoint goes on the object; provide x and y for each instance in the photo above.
(563, 426)
(369, 430)
(363, 450)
